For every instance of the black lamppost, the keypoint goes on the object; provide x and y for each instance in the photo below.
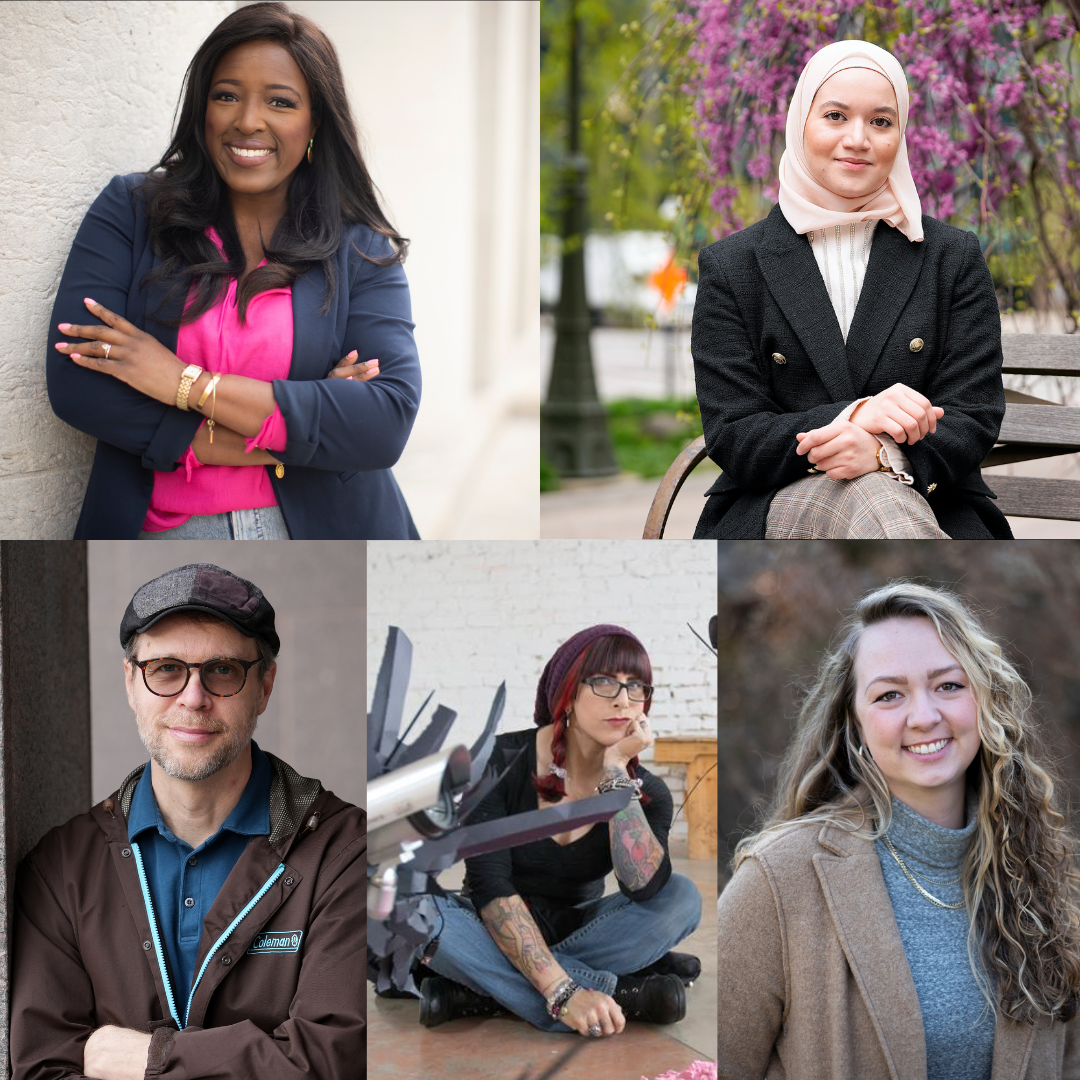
(573, 425)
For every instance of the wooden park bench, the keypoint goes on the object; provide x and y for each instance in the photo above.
(1032, 428)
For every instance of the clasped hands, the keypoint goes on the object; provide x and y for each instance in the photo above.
(845, 449)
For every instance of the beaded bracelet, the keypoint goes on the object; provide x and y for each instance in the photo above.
(556, 1004)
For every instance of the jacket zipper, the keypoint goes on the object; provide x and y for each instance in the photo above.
(159, 952)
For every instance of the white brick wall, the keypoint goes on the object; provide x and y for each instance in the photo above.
(482, 612)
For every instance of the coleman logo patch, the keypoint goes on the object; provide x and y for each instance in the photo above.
(276, 941)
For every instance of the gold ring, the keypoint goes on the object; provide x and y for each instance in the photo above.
(107, 346)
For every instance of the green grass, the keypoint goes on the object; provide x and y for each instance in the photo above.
(647, 436)
(549, 476)
(649, 452)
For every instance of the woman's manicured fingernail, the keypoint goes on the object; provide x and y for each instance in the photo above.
(65, 326)
(87, 300)
(61, 344)
(348, 378)
(353, 353)
(75, 356)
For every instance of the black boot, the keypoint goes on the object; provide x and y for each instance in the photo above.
(443, 999)
(687, 967)
(656, 999)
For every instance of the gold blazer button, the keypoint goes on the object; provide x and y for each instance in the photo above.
(930, 488)
(780, 358)
(916, 344)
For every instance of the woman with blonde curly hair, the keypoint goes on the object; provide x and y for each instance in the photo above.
(910, 907)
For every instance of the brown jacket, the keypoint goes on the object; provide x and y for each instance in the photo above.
(83, 954)
(814, 983)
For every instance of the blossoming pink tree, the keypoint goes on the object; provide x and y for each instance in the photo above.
(993, 133)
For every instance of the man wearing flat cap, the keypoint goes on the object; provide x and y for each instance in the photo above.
(205, 921)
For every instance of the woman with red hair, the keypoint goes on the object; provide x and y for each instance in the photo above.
(532, 932)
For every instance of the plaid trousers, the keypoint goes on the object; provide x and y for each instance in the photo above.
(870, 507)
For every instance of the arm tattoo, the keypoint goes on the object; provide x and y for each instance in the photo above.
(512, 927)
(636, 854)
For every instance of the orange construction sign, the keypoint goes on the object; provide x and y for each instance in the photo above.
(669, 281)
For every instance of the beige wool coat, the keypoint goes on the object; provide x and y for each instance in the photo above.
(814, 983)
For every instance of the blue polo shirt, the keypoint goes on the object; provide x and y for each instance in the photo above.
(184, 881)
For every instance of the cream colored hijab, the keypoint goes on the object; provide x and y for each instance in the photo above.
(808, 205)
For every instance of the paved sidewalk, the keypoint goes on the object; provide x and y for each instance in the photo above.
(617, 509)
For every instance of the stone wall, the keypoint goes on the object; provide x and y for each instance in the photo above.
(90, 89)
(44, 710)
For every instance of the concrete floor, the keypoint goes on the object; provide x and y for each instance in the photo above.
(509, 1049)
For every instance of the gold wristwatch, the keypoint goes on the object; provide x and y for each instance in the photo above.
(190, 374)
(882, 467)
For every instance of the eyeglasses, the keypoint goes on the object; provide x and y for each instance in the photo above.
(607, 687)
(166, 676)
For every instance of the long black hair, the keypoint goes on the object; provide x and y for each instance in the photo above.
(325, 196)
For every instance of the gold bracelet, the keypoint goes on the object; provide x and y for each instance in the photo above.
(206, 393)
(190, 374)
(213, 405)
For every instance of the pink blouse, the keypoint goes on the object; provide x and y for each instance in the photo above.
(261, 349)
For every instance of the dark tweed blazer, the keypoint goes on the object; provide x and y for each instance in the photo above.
(760, 292)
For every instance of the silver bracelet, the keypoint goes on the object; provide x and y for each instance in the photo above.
(556, 1004)
(614, 783)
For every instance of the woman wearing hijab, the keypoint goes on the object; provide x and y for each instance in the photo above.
(847, 348)
(910, 907)
(533, 932)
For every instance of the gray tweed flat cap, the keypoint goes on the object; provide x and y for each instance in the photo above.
(201, 587)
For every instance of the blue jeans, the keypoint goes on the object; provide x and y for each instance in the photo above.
(619, 937)
(262, 523)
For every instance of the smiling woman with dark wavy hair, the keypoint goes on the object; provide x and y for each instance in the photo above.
(216, 294)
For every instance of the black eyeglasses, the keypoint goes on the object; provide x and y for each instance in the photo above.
(606, 686)
(166, 676)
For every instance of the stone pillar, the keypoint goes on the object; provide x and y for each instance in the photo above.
(44, 710)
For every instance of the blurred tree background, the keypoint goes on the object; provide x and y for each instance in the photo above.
(636, 115)
(780, 603)
(686, 100)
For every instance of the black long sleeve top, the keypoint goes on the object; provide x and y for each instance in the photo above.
(554, 879)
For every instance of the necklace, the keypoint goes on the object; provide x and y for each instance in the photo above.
(934, 881)
(908, 874)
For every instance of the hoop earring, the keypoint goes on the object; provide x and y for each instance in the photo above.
(309, 146)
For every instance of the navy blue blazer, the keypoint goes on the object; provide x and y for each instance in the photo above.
(343, 436)
(761, 296)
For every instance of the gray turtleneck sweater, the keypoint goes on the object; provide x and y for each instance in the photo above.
(958, 1023)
